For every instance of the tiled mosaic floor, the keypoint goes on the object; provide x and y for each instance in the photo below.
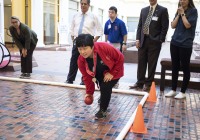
(31, 111)
(172, 119)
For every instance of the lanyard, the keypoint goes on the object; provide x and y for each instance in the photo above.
(93, 72)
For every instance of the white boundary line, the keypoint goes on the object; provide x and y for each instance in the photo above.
(129, 123)
(195, 53)
(67, 85)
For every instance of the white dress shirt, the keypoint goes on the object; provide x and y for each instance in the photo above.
(91, 25)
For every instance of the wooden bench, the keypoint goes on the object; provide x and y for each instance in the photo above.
(166, 64)
(131, 54)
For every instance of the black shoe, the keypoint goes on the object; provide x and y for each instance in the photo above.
(27, 76)
(116, 86)
(99, 101)
(146, 88)
(82, 83)
(136, 86)
(22, 75)
(100, 114)
(69, 82)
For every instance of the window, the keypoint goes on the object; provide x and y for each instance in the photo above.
(7, 15)
(132, 23)
(51, 14)
(26, 12)
(73, 9)
(91, 8)
(100, 15)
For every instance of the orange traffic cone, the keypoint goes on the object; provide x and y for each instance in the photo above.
(152, 94)
(138, 124)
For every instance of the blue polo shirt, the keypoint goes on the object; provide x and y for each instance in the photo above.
(115, 30)
(183, 37)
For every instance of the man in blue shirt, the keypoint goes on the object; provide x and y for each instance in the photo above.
(115, 30)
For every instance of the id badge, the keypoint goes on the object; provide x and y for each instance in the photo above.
(109, 26)
(155, 18)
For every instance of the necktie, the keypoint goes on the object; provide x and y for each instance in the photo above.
(147, 22)
(81, 24)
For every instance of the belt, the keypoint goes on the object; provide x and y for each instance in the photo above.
(77, 36)
(146, 35)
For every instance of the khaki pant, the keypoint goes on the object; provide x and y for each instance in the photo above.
(116, 45)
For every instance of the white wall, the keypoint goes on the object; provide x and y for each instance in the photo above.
(197, 38)
(1, 21)
(37, 20)
(63, 28)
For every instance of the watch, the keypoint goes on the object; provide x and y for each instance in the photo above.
(182, 15)
(124, 43)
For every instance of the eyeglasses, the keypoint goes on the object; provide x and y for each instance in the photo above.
(111, 12)
(14, 22)
(84, 4)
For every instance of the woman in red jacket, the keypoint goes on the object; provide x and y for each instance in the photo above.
(102, 64)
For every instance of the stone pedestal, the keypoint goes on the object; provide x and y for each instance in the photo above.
(15, 64)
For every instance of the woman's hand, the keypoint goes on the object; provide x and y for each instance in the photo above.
(180, 10)
(107, 77)
(24, 52)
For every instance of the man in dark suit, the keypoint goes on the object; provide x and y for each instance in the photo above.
(151, 32)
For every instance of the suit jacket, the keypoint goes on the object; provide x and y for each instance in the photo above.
(29, 36)
(158, 26)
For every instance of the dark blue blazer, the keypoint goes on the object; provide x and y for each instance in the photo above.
(157, 28)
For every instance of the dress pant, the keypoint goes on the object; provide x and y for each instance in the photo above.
(180, 56)
(147, 56)
(73, 64)
(26, 62)
(106, 91)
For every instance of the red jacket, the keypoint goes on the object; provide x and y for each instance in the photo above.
(110, 56)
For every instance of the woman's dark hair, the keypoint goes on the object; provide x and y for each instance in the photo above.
(14, 17)
(84, 40)
(113, 8)
(190, 4)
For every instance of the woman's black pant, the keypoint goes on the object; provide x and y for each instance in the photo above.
(106, 91)
(180, 58)
(26, 62)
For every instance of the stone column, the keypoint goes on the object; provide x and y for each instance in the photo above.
(63, 27)
(1, 22)
(37, 20)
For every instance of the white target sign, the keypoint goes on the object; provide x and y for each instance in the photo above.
(4, 56)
